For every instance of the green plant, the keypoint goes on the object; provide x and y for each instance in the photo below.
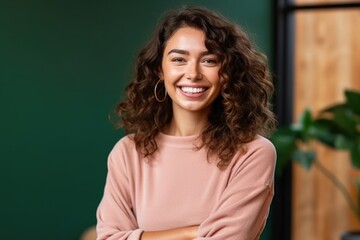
(337, 127)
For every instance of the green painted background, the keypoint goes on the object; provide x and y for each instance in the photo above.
(63, 66)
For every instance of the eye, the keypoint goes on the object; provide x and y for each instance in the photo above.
(178, 60)
(210, 61)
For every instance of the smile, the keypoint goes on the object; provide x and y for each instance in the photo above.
(193, 90)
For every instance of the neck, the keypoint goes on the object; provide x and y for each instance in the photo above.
(186, 123)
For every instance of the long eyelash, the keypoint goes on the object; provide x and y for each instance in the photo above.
(177, 60)
(210, 60)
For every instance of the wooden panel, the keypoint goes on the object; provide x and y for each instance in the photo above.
(325, 1)
(327, 50)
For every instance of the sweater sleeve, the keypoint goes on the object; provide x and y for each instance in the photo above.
(242, 210)
(115, 218)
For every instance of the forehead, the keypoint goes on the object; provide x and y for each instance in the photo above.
(187, 37)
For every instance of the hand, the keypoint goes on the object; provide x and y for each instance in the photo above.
(186, 233)
(192, 232)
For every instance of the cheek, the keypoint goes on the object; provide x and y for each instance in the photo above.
(172, 73)
(218, 83)
(215, 78)
(218, 89)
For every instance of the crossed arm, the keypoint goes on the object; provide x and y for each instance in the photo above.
(186, 233)
(240, 213)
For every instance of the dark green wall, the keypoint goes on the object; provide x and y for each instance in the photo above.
(63, 65)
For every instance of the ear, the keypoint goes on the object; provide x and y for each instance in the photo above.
(160, 74)
(223, 79)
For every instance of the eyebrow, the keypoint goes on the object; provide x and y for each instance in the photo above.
(187, 52)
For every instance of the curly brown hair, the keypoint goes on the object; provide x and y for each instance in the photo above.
(240, 112)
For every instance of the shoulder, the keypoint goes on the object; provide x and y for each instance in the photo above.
(120, 157)
(123, 147)
(260, 143)
(259, 153)
(126, 142)
(256, 161)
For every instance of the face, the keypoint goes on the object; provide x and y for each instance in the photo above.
(190, 71)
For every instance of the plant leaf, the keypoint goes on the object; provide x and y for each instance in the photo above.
(304, 158)
(302, 127)
(343, 119)
(323, 130)
(355, 153)
(331, 134)
(342, 142)
(353, 100)
(334, 108)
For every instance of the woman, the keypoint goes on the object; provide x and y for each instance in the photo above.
(194, 164)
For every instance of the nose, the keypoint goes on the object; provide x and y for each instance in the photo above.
(193, 71)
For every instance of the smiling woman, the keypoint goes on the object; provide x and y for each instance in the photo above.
(194, 164)
(191, 78)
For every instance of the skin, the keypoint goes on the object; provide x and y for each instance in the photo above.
(188, 67)
(191, 76)
(186, 233)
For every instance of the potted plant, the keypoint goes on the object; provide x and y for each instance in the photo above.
(338, 127)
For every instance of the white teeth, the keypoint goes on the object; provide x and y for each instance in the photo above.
(193, 90)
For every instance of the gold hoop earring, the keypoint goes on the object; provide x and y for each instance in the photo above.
(155, 92)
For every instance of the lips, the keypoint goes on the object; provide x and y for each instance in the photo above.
(193, 90)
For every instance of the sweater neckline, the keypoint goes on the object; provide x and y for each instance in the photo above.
(191, 141)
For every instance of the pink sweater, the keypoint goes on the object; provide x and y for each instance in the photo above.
(181, 188)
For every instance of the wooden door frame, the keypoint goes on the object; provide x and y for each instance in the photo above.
(284, 28)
